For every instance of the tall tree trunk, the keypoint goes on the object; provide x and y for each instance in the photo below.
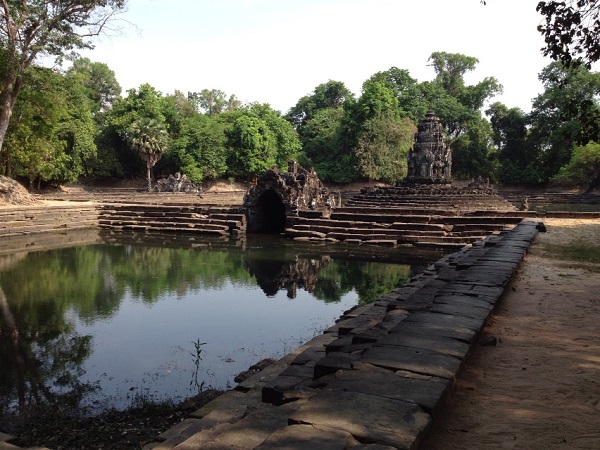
(11, 87)
(149, 176)
(5, 113)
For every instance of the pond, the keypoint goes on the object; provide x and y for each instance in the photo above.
(127, 318)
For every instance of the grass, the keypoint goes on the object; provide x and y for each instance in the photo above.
(580, 254)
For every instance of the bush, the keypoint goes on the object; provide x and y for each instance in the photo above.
(583, 168)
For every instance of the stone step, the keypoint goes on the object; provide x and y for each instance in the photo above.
(171, 218)
(380, 217)
(370, 225)
(174, 229)
(164, 224)
(390, 232)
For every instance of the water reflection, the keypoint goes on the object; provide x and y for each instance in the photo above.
(86, 326)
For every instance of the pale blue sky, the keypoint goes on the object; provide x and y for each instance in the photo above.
(276, 51)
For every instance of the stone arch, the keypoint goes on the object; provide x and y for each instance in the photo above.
(269, 214)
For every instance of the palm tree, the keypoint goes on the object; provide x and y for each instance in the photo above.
(149, 138)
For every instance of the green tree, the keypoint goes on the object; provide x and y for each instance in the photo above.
(383, 147)
(286, 139)
(518, 158)
(571, 30)
(200, 151)
(213, 101)
(115, 153)
(332, 94)
(99, 82)
(450, 69)
(459, 107)
(253, 147)
(471, 150)
(321, 137)
(51, 135)
(407, 91)
(149, 139)
(33, 28)
(318, 120)
(583, 168)
(566, 114)
(371, 132)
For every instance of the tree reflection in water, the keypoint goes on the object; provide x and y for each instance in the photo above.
(45, 294)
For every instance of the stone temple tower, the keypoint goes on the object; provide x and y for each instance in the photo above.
(430, 159)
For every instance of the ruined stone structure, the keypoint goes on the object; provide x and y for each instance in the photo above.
(176, 183)
(278, 196)
(430, 159)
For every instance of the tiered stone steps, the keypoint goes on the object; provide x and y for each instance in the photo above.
(213, 220)
(20, 221)
(446, 218)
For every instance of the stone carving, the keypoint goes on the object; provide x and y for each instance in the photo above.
(430, 159)
(276, 193)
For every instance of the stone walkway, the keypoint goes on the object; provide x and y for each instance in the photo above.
(379, 377)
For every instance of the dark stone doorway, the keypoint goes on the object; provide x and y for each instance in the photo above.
(269, 215)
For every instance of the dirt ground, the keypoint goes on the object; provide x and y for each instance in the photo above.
(539, 387)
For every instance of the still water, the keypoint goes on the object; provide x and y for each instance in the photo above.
(123, 320)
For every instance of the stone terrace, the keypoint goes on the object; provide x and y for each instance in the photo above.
(438, 216)
(379, 377)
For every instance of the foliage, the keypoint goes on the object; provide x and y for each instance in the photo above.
(99, 83)
(286, 139)
(332, 94)
(321, 136)
(383, 146)
(51, 136)
(200, 151)
(252, 145)
(519, 160)
(583, 168)
(148, 138)
(471, 156)
(213, 101)
(32, 28)
(566, 114)
(318, 120)
(145, 102)
(571, 30)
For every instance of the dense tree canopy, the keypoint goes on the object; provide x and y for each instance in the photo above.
(72, 123)
(32, 28)
(571, 30)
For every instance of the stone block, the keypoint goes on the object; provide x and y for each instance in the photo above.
(394, 422)
(413, 359)
(440, 344)
(428, 393)
(306, 437)
(334, 362)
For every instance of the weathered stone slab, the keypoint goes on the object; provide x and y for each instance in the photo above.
(470, 311)
(395, 423)
(253, 429)
(334, 362)
(473, 301)
(413, 359)
(441, 322)
(310, 356)
(425, 393)
(289, 380)
(306, 437)
(439, 344)
(259, 379)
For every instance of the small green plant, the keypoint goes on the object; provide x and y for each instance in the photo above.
(196, 358)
